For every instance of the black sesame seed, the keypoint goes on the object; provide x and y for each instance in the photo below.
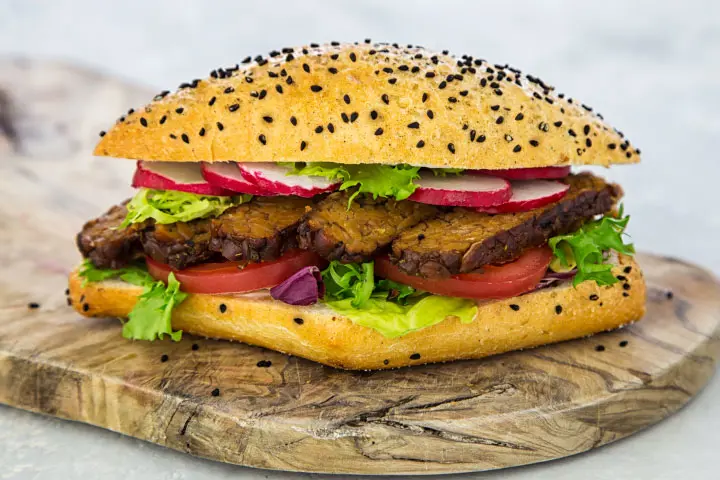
(379, 131)
(519, 116)
(386, 362)
(558, 123)
(223, 308)
(173, 136)
(318, 129)
(472, 135)
(353, 57)
(588, 142)
(452, 99)
(268, 119)
(420, 144)
(354, 116)
(262, 94)
(495, 108)
(385, 99)
(498, 91)
(279, 89)
(229, 90)
(103, 133)
(333, 70)
(202, 132)
(344, 117)
(514, 307)
(586, 129)
(293, 120)
(625, 294)
(289, 80)
(594, 297)
(627, 269)
(517, 148)
(499, 120)
(306, 67)
(387, 70)
(392, 81)
(429, 74)
(415, 356)
(303, 144)
(185, 138)
(534, 143)
(262, 139)
(215, 393)
(669, 295)
(316, 88)
(373, 114)
(331, 128)
(335, 56)
(298, 320)
(465, 126)
(442, 85)
(414, 125)
(481, 138)
(234, 107)
(421, 236)
(143, 122)
(451, 147)
(424, 97)
(612, 146)
(164, 358)
(626, 286)
(558, 309)
(543, 126)
(212, 101)
(483, 82)
(572, 133)
(220, 126)
(33, 305)
(463, 93)
(179, 110)
(346, 99)
(264, 363)
(600, 348)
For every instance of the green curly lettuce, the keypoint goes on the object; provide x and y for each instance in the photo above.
(170, 206)
(150, 318)
(395, 181)
(386, 306)
(587, 248)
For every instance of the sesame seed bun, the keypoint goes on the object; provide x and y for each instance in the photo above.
(318, 333)
(368, 103)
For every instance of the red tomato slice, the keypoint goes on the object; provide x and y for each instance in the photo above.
(502, 281)
(236, 277)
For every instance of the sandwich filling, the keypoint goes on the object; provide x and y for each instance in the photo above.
(393, 248)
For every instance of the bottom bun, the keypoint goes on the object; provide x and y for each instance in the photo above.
(318, 333)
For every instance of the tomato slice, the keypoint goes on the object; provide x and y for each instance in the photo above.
(501, 281)
(236, 277)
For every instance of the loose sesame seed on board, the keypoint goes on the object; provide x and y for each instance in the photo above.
(370, 103)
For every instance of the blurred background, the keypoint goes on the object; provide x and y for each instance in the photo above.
(652, 68)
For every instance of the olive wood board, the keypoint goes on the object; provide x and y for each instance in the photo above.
(250, 406)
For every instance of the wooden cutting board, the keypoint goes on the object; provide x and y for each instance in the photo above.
(240, 404)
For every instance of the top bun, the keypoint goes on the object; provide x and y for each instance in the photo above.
(368, 103)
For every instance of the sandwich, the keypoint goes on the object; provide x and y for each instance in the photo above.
(366, 206)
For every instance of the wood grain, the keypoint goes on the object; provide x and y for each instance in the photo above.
(274, 411)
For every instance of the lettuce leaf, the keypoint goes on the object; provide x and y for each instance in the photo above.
(150, 318)
(393, 320)
(170, 206)
(391, 308)
(586, 249)
(394, 181)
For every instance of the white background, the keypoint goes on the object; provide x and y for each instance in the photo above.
(651, 67)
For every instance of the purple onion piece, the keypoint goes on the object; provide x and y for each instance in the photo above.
(551, 278)
(304, 287)
(561, 275)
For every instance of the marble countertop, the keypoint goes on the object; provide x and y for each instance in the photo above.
(650, 67)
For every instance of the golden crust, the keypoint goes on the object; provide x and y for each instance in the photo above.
(328, 338)
(364, 101)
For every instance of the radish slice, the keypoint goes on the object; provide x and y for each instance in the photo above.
(461, 190)
(227, 175)
(530, 194)
(273, 178)
(183, 177)
(526, 173)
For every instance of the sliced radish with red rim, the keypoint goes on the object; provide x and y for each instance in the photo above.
(227, 175)
(183, 177)
(274, 178)
(530, 194)
(525, 173)
(461, 190)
